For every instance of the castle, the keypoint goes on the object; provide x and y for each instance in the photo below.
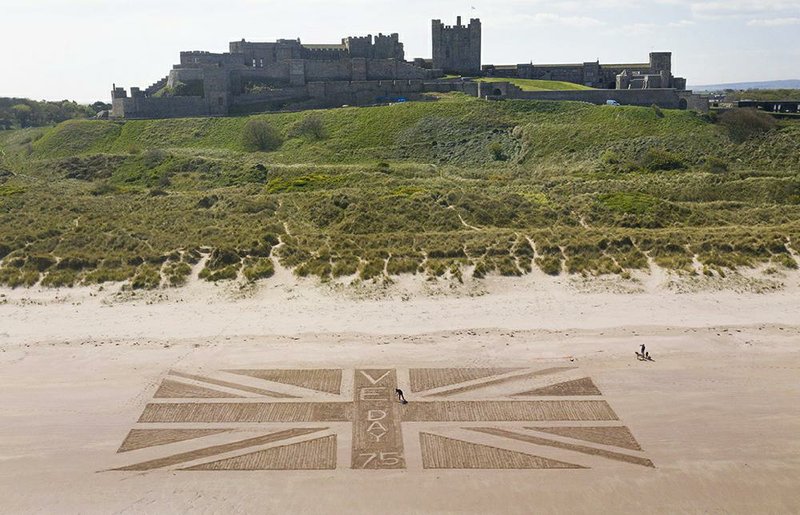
(366, 70)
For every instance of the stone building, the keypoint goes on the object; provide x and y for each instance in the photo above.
(657, 73)
(273, 74)
(457, 48)
(263, 76)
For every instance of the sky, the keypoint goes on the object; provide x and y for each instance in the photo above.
(76, 49)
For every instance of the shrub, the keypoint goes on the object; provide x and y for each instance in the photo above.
(496, 149)
(153, 157)
(310, 126)
(261, 268)
(659, 160)
(551, 265)
(147, 278)
(402, 265)
(177, 273)
(344, 266)
(658, 112)
(208, 201)
(60, 278)
(227, 273)
(371, 269)
(221, 258)
(715, 165)
(104, 188)
(259, 135)
(743, 124)
(609, 157)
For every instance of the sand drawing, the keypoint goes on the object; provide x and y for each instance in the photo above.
(246, 412)
(373, 421)
(439, 452)
(583, 386)
(219, 449)
(480, 411)
(170, 389)
(323, 380)
(499, 380)
(572, 447)
(236, 386)
(143, 438)
(317, 454)
(430, 378)
(619, 436)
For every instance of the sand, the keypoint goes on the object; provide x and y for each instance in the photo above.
(717, 412)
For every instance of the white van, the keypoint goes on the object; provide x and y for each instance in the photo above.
(612, 103)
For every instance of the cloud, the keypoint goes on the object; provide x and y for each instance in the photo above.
(740, 8)
(543, 19)
(773, 22)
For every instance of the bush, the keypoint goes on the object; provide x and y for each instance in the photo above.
(60, 278)
(177, 273)
(658, 112)
(261, 268)
(153, 157)
(743, 124)
(103, 188)
(609, 157)
(659, 160)
(221, 258)
(259, 135)
(310, 126)
(715, 165)
(147, 278)
(496, 150)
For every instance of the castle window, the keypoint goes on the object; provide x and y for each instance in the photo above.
(254, 62)
(261, 63)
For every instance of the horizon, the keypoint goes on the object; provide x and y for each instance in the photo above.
(134, 45)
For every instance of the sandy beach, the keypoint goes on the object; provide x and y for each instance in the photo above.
(716, 412)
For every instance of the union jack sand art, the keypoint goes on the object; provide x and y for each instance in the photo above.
(316, 419)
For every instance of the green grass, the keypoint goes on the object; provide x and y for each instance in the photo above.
(413, 188)
(538, 85)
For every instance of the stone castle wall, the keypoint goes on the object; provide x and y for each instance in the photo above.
(667, 98)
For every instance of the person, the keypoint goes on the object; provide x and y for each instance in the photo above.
(643, 351)
(400, 396)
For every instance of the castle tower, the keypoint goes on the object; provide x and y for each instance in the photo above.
(660, 62)
(457, 49)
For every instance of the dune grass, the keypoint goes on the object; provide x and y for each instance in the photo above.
(443, 189)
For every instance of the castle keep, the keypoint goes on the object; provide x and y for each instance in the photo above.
(457, 49)
(255, 76)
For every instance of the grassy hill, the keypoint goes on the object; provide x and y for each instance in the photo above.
(537, 85)
(447, 188)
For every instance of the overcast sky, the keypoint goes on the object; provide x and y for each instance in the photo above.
(76, 49)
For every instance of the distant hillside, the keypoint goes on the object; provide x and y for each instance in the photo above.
(770, 84)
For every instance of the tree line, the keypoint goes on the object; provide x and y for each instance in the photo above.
(19, 113)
